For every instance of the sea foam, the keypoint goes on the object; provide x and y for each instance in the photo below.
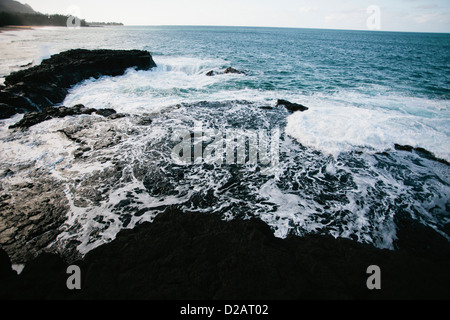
(333, 126)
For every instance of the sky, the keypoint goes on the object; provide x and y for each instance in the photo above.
(383, 15)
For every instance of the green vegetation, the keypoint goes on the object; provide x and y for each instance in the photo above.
(14, 13)
(34, 19)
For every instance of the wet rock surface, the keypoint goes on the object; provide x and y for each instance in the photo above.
(47, 84)
(33, 118)
(197, 256)
(30, 214)
(35, 199)
(291, 107)
(104, 164)
(225, 71)
(421, 151)
(180, 255)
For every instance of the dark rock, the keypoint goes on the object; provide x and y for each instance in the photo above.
(31, 214)
(32, 118)
(198, 256)
(232, 70)
(415, 237)
(80, 151)
(44, 276)
(5, 266)
(105, 112)
(292, 107)
(18, 102)
(116, 116)
(47, 84)
(226, 71)
(144, 120)
(404, 148)
(7, 276)
(6, 111)
(70, 136)
(4, 174)
(421, 151)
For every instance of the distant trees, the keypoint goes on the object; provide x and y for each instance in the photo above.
(34, 19)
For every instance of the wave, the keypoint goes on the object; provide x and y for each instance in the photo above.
(127, 176)
(372, 118)
(175, 80)
(348, 122)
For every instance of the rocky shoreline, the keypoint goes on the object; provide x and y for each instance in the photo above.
(31, 212)
(185, 255)
(47, 84)
(181, 255)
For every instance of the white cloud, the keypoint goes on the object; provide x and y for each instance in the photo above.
(428, 6)
(430, 17)
(307, 9)
(347, 16)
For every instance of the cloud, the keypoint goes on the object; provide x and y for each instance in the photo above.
(349, 15)
(428, 6)
(307, 9)
(430, 17)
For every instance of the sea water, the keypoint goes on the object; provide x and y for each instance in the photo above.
(337, 173)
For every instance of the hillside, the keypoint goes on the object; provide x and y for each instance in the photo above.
(15, 6)
(14, 13)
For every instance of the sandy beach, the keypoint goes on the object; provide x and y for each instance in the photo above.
(17, 28)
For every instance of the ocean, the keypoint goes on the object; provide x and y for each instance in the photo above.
(336, 170)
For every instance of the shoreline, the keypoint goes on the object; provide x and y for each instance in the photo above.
(23, 28)
(192, 255)
(17, 28)
(186, 255)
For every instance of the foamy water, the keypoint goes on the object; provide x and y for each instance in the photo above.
(367, 123)
(338, 172)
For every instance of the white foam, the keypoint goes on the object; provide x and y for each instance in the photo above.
(187, 65)
(41, 147)
(333, 127)
(86, 218)
(334, 123)
(174, 81)
(302, 214)
(18, 268)
(292, 210)
(45, 51)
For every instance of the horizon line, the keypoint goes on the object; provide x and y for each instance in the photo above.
(310, 28)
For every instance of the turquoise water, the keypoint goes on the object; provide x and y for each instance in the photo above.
(318, 60)
(400, 81)
(338, 171)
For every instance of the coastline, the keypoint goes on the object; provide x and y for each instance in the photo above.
(17, 28)
(23, 28)
(313, 266)
(185, 255)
